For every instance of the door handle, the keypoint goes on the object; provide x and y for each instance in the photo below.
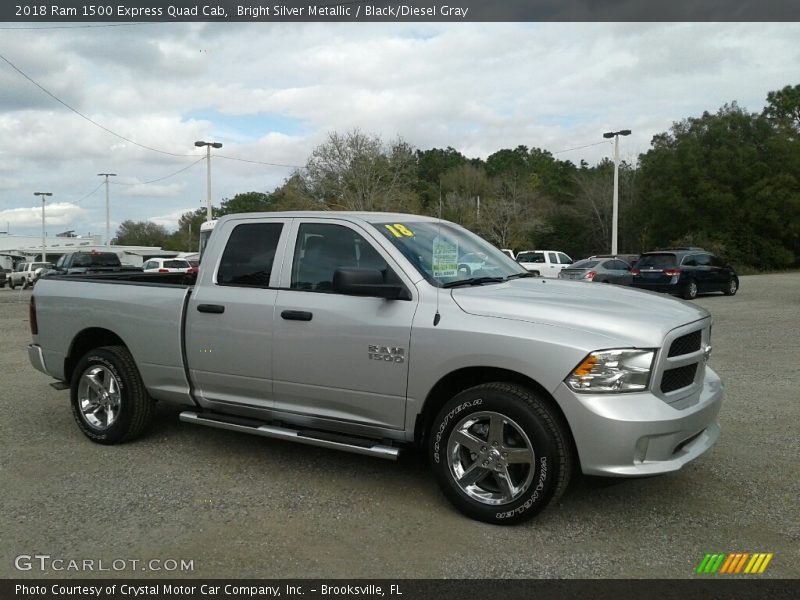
(217, 309)
(296, 315)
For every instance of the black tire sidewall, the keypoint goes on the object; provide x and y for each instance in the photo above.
(545, 448)
(119, 429)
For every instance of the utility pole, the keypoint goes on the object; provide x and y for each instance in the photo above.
(108, 210)
(208, 146)
(44, 240)
(615, 208)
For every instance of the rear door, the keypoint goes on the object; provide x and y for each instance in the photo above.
(618, 272)
(230, 316)
(338, 356)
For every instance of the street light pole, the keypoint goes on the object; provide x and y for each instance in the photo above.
(615, 208)
(44, 242)
(208, 146)
(108, 210)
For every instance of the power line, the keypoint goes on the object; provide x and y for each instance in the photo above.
(201, 159)
(258, 162)
(80, 114)
(90, 193)
(580, 147)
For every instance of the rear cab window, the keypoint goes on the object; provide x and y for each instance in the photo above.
(249, 255)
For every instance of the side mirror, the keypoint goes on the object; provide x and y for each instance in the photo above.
(354, 281)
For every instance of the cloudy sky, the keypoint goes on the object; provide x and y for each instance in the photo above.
(271, 92)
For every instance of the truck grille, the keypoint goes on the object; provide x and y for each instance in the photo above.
(675, 379)
(686, 344)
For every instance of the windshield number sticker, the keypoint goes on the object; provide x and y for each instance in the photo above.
(445, 258)
(398, 230)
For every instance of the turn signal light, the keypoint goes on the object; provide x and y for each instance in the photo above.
(672, 272)
(590, 275)
(635, 271)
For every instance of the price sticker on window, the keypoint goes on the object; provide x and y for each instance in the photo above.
(444, 258)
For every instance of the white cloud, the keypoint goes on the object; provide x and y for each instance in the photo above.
(56, 214)
(273, 91)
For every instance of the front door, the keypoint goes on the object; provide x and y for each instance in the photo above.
(338, 356)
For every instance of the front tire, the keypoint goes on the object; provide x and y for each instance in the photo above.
(11, 285)
(500, 453)
(109, 400)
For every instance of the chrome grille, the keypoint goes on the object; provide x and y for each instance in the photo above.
(686, 344)
(675, 379)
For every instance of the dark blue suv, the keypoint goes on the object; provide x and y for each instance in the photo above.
(684, 272)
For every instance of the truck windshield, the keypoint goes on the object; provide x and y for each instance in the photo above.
(444, 253)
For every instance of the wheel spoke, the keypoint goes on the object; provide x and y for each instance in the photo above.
(496, 429)
(519, 455)
(474, 473)
(110, 384)
(94, 383)
(466, 439)
(110, 414)
(504, 479)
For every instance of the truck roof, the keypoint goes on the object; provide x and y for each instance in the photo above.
(368, 217)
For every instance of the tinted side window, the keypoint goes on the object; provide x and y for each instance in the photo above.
(249, 254)
(564, 259)
(716, 261)
(703, 260)
(323, 248)
(689, 261)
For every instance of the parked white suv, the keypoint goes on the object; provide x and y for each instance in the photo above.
(545, 263)
(167, 265)
(26, 274)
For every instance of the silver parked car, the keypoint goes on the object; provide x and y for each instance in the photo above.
(599, 270)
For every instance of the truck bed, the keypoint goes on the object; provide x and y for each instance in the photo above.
(143, 311)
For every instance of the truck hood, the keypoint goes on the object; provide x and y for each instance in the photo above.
(625, 315)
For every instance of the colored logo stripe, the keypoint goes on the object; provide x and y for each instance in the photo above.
(735, 563)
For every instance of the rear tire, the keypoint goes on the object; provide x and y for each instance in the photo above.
(500, 453)
(732, 287)
(690, 290)
(109, 400)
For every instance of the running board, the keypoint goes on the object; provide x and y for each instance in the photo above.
(334, 441)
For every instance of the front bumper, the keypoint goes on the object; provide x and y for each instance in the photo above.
(628, 435)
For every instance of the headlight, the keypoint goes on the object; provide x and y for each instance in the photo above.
(623, 370)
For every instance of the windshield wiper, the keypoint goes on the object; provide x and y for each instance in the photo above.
(520, 275)
(474, 281)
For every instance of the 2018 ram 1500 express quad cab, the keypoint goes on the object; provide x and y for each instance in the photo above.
(358, 331)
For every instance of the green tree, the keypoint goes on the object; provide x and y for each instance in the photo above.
(246, 202)
(140, 233)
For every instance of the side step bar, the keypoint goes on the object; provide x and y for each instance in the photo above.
(334, 441)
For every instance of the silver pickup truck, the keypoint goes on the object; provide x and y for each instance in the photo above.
(359, 331)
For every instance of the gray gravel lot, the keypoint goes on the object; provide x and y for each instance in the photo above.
(243, 506)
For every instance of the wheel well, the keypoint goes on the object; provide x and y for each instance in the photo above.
(463, 379)
(87, 340)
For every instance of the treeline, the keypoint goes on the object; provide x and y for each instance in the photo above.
(728, 181)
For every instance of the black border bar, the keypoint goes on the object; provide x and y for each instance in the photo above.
(705, 588)
(121, 11)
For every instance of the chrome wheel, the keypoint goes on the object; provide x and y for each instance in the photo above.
(490, 458)
(733, 287)
(99, 397)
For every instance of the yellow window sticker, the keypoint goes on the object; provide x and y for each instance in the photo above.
(399, 230)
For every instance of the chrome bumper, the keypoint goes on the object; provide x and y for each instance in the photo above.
(36, 358)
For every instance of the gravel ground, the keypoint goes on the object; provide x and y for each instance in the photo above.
(243, 506)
